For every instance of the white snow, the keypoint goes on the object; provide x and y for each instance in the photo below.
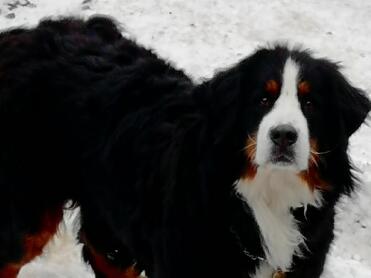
(202, 36)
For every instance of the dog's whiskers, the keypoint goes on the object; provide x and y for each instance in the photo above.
(319, 153)
(251, 139)
(252, 145)
(314, 160)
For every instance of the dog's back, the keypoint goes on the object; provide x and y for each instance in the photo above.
(64, 86)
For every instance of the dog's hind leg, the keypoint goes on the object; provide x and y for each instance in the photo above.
(21, 242)
(108, 257)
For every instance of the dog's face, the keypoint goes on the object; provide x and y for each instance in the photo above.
(282, 136)
(297, 110)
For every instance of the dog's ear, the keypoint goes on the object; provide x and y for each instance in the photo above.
(224, 96)
(354, 104)
(224, 90)
(106, 28)
(220, 98)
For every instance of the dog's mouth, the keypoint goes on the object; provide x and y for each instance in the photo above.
(282, 157)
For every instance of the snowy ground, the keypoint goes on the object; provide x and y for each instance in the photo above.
(202, 36)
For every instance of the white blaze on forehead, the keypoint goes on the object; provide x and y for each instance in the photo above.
(286, 111)
(290, 80)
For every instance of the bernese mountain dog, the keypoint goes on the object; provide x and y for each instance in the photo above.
(235, 177)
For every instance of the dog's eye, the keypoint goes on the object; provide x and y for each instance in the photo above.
(308, 105)
(265, 102)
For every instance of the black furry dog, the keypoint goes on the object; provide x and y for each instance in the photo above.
(234, 177)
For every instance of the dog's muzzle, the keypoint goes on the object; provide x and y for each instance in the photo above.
(283, 138)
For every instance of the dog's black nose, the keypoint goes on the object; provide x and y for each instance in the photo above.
(283, 135)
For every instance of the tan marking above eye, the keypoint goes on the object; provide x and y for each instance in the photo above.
(272, 87)
(304, 88)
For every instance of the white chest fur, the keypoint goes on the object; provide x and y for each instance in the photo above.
(271, 195)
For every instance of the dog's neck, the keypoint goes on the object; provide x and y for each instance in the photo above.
(271, 195)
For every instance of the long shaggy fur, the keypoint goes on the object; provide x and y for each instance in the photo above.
(151, 158)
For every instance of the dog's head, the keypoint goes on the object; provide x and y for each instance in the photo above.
(295, 109)
(288, 117)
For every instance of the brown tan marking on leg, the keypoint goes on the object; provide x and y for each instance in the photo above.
(34, 243)
(9, 271)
